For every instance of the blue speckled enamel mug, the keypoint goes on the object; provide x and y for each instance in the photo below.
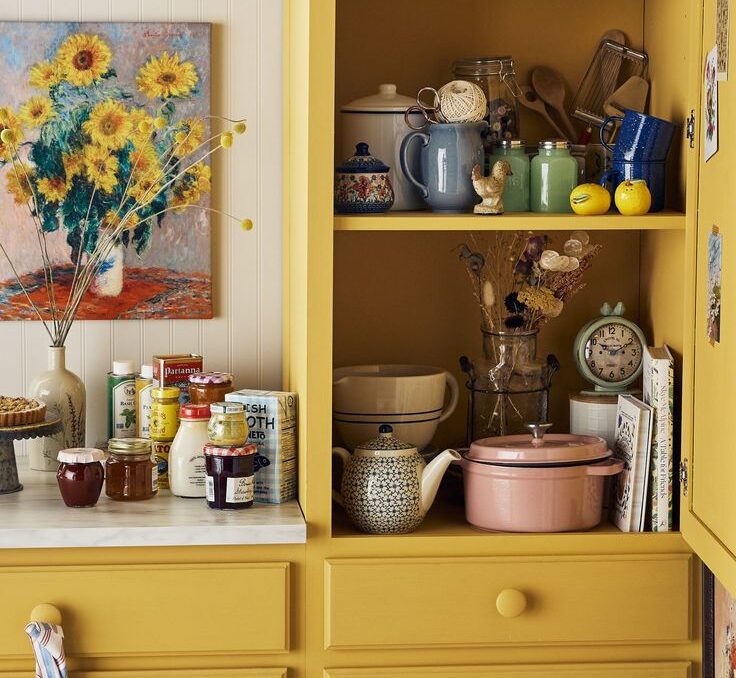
(642, 138)
(446, 159)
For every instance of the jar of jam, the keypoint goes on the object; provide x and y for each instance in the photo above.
(229, 476)
(132, 474)
(227, 426)
(164, 413)
(80, 476)
(209, 387)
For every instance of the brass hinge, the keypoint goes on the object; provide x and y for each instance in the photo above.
(683, 476)
(690, 128)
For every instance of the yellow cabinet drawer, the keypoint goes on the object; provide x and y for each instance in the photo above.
(149, 609)
(432, 602)
(639, 670)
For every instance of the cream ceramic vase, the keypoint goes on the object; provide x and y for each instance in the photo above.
(65, 396)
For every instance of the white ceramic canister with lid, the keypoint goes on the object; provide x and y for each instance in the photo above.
(186, 457)
(378, 120)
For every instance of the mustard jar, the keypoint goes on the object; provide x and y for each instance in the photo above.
(227, 426)
(164, 413)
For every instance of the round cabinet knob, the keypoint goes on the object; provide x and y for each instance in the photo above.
(46, 613)
(510, 603)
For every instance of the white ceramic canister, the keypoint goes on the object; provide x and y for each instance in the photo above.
(378, 120)
(187, 473)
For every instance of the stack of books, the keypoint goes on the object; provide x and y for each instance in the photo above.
(642, 497)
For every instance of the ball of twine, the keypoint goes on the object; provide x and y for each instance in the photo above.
(462, 101)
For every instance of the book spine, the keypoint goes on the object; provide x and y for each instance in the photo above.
(661, 491)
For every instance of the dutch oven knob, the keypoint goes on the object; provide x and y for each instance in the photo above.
(538, 430)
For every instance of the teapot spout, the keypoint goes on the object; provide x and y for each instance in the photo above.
(432, 475)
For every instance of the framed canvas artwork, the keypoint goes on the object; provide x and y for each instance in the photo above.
(102, 117)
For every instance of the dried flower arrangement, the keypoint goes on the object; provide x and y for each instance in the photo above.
(84, 157)
(520, 282)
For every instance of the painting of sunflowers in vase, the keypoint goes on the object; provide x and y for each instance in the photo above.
(108, 141)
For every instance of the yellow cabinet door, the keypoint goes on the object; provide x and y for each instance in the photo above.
(708, 515)
(639, 670)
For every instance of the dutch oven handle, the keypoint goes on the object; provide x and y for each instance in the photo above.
(609, 467)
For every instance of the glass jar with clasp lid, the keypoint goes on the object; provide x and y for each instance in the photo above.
(227, 426)
(496, 77)
(516, 188)
(554, 173)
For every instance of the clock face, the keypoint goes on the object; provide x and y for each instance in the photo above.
(613, 352)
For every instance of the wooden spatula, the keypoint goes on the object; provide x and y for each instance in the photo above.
(550, 88)
(531, 101)
(631, 95)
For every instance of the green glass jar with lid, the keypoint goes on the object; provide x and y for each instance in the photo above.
(554, 173)
(516, 189)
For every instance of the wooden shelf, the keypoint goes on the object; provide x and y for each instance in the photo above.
(516, 221)
(446, 521)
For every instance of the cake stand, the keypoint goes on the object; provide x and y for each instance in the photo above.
(8, 434)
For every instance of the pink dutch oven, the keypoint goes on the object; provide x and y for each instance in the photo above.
(537, 483)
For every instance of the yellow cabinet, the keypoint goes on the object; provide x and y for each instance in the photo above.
(642, 670)
(149, 609)
(441, 602)
(708, 499)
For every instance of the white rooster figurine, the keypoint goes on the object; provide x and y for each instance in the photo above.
(490, 188)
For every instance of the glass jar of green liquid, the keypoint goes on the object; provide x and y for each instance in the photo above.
(516, 189)
(554, 175)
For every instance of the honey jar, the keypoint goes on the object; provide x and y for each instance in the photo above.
(206, 388)
(132, 474)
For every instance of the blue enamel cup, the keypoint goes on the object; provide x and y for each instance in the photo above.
(642, 138)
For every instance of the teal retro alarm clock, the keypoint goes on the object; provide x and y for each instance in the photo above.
(609, 350)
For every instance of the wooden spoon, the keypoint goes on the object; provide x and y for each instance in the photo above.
(550, 88)
(530, 100)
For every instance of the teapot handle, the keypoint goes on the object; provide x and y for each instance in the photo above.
(345, 456)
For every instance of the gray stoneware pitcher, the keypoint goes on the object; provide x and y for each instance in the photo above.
(447, 156)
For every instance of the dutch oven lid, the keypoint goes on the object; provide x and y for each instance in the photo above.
(552, 449)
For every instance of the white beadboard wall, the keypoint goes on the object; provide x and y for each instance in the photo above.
(245, 335)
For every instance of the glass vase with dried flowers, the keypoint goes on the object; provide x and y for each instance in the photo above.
(520, 283)
(105, 166)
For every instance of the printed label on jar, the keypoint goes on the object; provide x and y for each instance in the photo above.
(210, 488)
(145, 401)
(239, 490)
(154, 478)
(123, 409)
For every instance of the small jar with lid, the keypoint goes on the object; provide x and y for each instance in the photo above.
(209, 387)
(80, 476)
(554, 173)
(186, 457)
(516, 189)
(227, 426)
(496, 77)
(229, 476)
(132, 475)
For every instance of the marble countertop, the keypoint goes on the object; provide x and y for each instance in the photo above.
(36, 517)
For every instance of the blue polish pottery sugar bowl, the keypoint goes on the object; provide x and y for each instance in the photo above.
(362, 185)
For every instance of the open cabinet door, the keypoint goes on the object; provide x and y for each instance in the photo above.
(708, 492)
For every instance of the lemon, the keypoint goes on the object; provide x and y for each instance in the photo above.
(633, 198)
(589, 199)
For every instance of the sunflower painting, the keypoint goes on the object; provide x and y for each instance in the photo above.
(107, 123)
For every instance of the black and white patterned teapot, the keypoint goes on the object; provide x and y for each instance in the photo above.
(386, 486)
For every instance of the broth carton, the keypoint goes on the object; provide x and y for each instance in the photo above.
(272, 422)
